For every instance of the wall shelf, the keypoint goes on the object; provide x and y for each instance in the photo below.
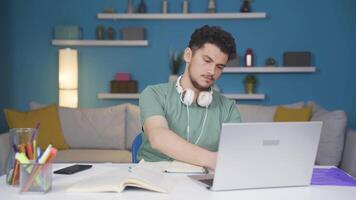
(117, 16)
(269, 69)
(137, 95)
(100, 42)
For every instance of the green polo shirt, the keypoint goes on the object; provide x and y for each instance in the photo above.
(163, 100)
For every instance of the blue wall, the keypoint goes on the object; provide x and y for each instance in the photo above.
(324, 27)
(4, 62)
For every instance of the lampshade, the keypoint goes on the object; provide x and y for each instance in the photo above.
(68, 69)
(68, 98)
(68, 78)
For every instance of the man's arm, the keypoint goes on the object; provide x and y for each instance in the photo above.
(167, 142)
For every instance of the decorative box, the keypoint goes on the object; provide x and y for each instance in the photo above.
(301, 58)
(67, 32)
(123, 86)
(133, 33)
(122, 76)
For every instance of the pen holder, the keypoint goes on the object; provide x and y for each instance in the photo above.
(35, 177)
(19, 137)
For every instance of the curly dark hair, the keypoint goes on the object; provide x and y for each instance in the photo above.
(214, 35)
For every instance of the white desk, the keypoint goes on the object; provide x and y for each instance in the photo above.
(184, 190)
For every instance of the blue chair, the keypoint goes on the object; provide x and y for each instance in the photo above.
(136, 143)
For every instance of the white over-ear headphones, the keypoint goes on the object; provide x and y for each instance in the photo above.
(187, 95)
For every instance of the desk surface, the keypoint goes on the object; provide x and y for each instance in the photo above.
(185, 189)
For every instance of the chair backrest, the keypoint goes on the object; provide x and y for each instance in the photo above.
(136, 143)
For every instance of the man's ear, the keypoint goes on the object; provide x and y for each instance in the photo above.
(187, 54)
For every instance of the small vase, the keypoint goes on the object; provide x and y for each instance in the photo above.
(211, 6)
(142, 7)
(245, 6)
(249, 88)
(164, 6)
(111, 33)
(185, 6)
(130, 8)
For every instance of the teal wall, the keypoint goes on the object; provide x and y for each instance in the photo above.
(5, 70)
(324, 27)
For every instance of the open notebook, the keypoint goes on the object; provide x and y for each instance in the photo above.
(145, 175)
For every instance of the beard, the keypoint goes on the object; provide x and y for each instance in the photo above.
(197, 85)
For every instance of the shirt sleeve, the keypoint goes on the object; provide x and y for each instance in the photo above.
(233, 114)
(151, 103)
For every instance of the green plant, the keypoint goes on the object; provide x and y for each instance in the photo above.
(250, 79)
(176, 61)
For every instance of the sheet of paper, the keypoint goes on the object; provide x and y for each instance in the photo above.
(332, 176)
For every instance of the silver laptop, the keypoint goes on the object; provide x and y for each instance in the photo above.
(264, 155)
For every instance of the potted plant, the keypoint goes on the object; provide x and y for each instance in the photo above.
(176, 61)
(250, 82)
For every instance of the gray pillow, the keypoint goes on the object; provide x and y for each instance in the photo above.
(332, 134)
(96, 128)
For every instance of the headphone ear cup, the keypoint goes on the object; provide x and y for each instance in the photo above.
(205, 98)
(187, 97)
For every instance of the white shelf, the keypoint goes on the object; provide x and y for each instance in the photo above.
(137, 95)
(100, 42)
(118, 95)
(269, 69)
(256, 15)
(245, 96)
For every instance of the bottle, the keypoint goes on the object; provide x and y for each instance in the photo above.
(142, 7)
(164, 6)
(249, 58)
(211, 6)
(245, 6)
(185, 6)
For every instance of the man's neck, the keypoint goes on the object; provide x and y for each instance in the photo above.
(185, 82)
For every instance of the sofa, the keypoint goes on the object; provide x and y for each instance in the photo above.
(106, 134)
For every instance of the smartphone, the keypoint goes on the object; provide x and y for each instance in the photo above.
(72, 169)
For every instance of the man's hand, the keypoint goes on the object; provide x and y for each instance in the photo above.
(171, 144)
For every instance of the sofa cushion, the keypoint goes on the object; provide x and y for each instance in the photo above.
(332, 135)
(93, 156)
(292, 114)
(96, 128)
(133, 123)
(50, 131)
(255, 113)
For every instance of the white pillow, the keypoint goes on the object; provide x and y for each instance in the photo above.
(97, 128)
(255, 113)
(332, 137)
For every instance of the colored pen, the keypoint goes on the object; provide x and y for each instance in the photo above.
(29, 151)
(21, 157)
(15, 148)
(34, 149)
(35, 132)
(45, 155)
(38, 153)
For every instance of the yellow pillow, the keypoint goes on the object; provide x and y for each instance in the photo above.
(50, 129)
(292, 114)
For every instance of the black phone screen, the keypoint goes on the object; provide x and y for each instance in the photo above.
(72, 169)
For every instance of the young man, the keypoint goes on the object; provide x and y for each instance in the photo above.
(182, 120)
